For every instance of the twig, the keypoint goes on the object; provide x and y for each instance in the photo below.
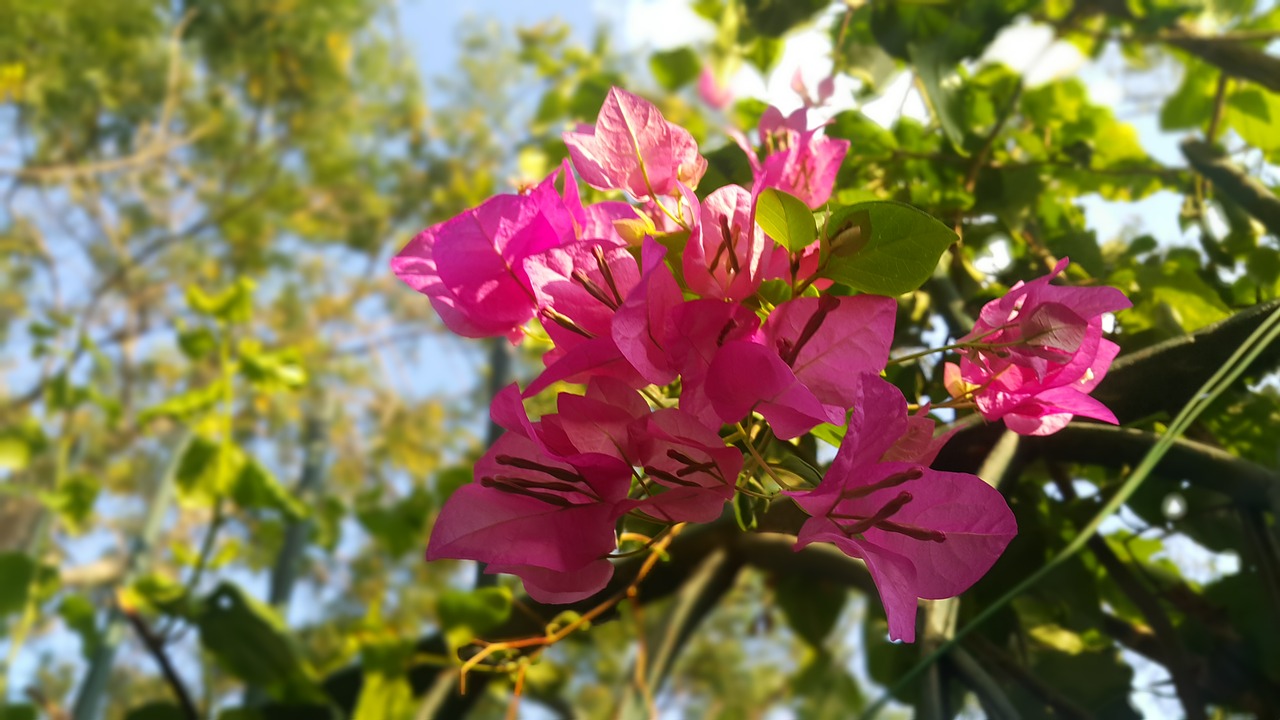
(1234, 182)
(1177, 660)
(155, 646)
(1015, 670)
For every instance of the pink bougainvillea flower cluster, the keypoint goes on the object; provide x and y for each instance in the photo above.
(798, 160)
(653, 304)
(1036, 354)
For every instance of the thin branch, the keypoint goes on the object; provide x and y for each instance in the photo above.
(994, 657)
(1181, 664)
(155, 646)
(1232, 180)
(992, 697)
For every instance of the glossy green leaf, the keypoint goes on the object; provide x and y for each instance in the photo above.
(884, 248)
(786, 219)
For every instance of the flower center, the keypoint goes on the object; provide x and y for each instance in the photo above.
(691, 467)
(855, 524)
(561, 487)
(789, 350)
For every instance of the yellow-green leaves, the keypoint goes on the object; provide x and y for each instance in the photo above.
(1255, 114)
(211, 470)
(233, 304)
(19, 443)
(785, 219)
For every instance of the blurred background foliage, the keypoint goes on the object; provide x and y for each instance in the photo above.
(225, 428)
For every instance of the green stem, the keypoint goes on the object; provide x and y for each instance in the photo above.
(755, 455)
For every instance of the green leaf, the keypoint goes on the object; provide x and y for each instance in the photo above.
(885, 248)
(674, 242)
(448, 481)
(197, 343)
(82, 617)
(811, 605)
(19, 572)
(468, 614)
(74, 499)
(19, 711)
(826, 689)
(156, 710)
(251, 642)
(774, 18)
(726, 165)
(746, 113)
(786, 219)
(208, 471)
(187, 404)
(1192, 104)
(1256, 116)
(154, 592)
(271, 370)
(257, 487)
(673, 69)
(19, 443)
(384, 697)
(763, 52)
(936, 78)
(831, 434)
(867, 140)
(232, 305)
(399, 528)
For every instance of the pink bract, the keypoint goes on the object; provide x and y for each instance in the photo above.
(632, 147)
(923, 533)
(536, 510)
(727, 255)
(470, 266)
(799, 161)
(807, 368)
(1040, 353)
(712, 91)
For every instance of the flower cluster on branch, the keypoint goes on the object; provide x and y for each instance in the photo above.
(657, 306)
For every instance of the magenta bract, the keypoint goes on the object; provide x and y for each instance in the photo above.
(1037, 354)
(632, 147)
(923, 533)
